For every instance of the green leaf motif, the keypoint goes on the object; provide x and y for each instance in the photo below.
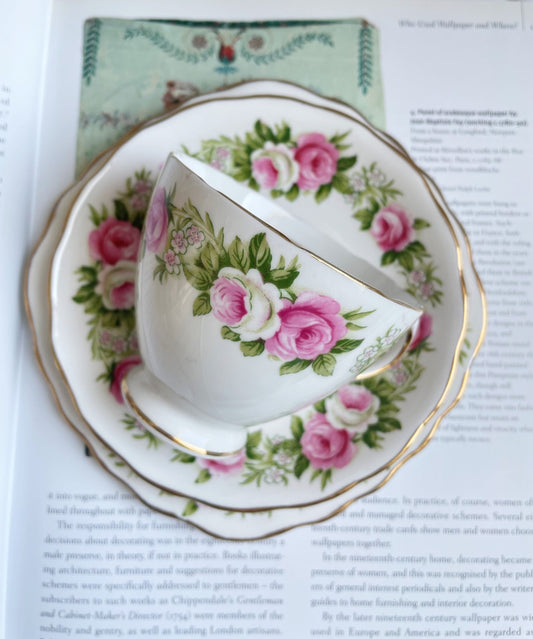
(346, 345)
(357, 314)
(294, 366)
(406, 261)
(389, 257)
(419, 224)
(343, 164)
(297, 427)
(301, 464)
(238, 255)
(354, 327)
(293, 193)
(282, 277)
(202, 304)
(84, 294)
(322, 192)
(121, 212)
(260, 255)
(227, 333)
(210, 260)
(372, 438)
(253, 439)
(324, 364)
(341, 183)
(320, 406)
(365, 216)
(190, 508)
(264, 131)
(387, 424)
(203, 476)
(198, 277)
(283, 133)
(252, 349)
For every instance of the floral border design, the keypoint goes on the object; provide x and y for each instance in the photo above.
(107, 283)
(272, 159)
(329, 435)
(255, 300)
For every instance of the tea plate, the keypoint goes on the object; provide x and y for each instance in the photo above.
(277, 470)
(211, 520)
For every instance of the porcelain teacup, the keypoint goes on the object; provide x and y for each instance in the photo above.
(244, 313)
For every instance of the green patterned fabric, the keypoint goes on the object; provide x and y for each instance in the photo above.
(136, 69)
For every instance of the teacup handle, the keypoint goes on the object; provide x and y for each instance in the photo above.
(388, 359)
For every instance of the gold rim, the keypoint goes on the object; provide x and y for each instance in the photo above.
(407, 340)
(389, 142)
(176, 440)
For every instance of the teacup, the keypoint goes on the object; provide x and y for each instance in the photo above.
(244, 313)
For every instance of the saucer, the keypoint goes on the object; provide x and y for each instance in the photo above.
(275, 471)
(211, 520)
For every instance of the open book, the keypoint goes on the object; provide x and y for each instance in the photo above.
(445, 546)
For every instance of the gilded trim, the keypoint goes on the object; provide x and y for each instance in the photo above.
(176, 440)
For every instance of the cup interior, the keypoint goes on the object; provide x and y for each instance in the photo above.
(305, 237)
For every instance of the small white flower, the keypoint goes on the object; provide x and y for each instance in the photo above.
(282, 458)
(376, 178)
(273, 475)
(172, 262)
(358, 183)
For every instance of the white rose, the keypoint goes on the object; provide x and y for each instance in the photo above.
(352, 407)
(274, 167)
(246, 304)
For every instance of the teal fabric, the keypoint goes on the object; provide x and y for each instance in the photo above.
(137, 69)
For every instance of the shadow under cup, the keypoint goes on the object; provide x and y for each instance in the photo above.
(246, 314)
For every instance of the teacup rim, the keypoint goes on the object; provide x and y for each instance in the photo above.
(177, 155)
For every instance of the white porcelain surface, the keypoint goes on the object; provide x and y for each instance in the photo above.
(192, 373)
(419, 418)
(213, 521)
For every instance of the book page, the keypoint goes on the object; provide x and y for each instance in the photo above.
(22, 42)
(444, 549)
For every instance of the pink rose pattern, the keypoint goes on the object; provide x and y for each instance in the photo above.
(108, 284)
(228, 298)
(310, 326)
(325, 446)
(311, 323)
(155, 230)
(252, 303)
(423, 331)
(231, 465)
(392, 228)
(113, 241)
(317, 159)
(119, 372)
